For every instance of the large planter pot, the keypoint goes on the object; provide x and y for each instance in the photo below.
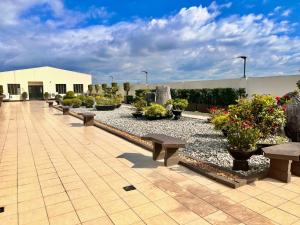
(240, 159)
(155, 117)
(177, 114)
(137, 114)
(105, 107)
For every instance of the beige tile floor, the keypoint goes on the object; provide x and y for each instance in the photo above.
(55, 171)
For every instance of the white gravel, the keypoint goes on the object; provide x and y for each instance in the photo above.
(203, 141)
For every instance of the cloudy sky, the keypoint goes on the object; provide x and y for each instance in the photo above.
(172, 39)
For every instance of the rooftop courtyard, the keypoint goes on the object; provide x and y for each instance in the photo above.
(54, 170)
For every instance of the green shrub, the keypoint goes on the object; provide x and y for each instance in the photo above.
(155, 110)
(67, 102)
(220, 121)
(90, 88)
(89, 102)
(126, 87)
(105, 101)
(46, 95)
(104, 86)
(76, 102)
(140, 105)
(118, 99)
(242, 136)
(178, 103)
(82, 98)
(1, 90)
(212, 97)
(97, 88)
(24, 95)
(58, 97)
(69, 95)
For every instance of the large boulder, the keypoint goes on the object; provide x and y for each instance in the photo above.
(163, 94)
(292, 128)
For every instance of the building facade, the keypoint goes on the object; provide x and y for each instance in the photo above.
(37, 81)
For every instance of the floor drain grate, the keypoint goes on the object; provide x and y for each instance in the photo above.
(129, 188)
(1, 209)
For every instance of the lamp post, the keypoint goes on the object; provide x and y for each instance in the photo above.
(245, 60)
(112, 78)
(146, 75)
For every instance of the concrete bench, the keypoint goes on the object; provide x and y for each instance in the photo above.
(88, 118)
(165, 147)
(50, 103)
(284, 161)
(66, 110)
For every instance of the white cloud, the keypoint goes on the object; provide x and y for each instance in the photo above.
(194, 43)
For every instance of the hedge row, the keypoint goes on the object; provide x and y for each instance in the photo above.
(212, 97)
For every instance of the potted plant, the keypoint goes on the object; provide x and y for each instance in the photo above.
(155, 111)
(89, 102)
(46, 95)
(126, 87)
(24, 96)
(242, 138)
(67, 102)
(97, 88)
(76, 102)
(58, 99)
(69, 95)
(105, 104)
(139, 105)
(178, 105)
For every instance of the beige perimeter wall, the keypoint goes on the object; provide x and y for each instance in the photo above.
(274, 85)
(48, 76)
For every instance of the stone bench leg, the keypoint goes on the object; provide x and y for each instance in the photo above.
(171, 157)
(66, 111)
(280, 170)
(158, 152)
(295, 168)
(88, 121)
(50, 104)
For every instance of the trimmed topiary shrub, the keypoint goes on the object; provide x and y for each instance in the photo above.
(89, 102)
(76, 102)
(24, 95)
(46, 95)
(1, 90)
(69, 95)
(155, 111)
(67, 102)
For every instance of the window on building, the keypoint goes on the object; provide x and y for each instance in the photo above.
(78, 88)
(13, 89)
(61, 88)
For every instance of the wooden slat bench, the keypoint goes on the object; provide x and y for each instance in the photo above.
(66, 110)
(165, 147)
(88, 118)
(50, 103)
(284, 161)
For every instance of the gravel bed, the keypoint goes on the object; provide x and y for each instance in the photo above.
(203, 141)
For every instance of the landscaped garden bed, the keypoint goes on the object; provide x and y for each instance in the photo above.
(203, 141)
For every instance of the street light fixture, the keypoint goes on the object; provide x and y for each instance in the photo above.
(112, 78)
(146, 75)
(245, 60)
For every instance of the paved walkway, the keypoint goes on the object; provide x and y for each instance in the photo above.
(55, 171)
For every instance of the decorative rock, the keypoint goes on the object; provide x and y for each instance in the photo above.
(163, 94)
(203, 141)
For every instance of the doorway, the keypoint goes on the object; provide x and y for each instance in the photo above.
(36, 92)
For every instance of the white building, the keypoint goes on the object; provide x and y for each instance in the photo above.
(37, 81)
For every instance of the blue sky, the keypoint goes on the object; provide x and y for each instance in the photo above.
(173, 40)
